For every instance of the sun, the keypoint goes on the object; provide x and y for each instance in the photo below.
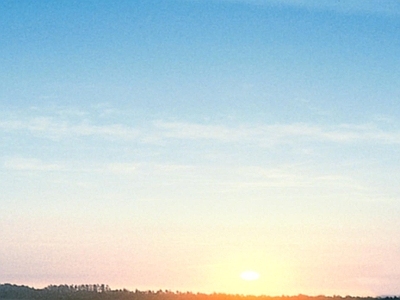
(249, 275)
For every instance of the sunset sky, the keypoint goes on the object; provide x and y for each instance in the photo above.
(176, 144)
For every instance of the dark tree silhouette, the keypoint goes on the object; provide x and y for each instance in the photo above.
(103, 292)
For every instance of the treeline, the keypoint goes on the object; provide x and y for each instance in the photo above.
(103, 292)
(65, 288)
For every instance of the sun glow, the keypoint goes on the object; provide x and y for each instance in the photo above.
(249, 275)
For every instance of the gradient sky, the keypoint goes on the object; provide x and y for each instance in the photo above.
(174, 144)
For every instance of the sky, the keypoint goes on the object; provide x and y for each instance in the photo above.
(176, 144)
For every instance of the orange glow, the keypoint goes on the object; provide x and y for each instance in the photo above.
(277, 275)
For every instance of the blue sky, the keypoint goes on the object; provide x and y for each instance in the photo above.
(175, 144)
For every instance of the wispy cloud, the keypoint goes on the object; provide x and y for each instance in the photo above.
(193, 131)
(48, 127)
(230, 178)
(31, 164)
(161, 132)
(278, 133)
(122, 168)
(226, 180)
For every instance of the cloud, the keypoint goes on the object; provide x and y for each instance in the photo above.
(48, 127)
(31, 164)
(193, 131)
(162, 132)
(278, 133)
(155, 169)
(123, 168)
